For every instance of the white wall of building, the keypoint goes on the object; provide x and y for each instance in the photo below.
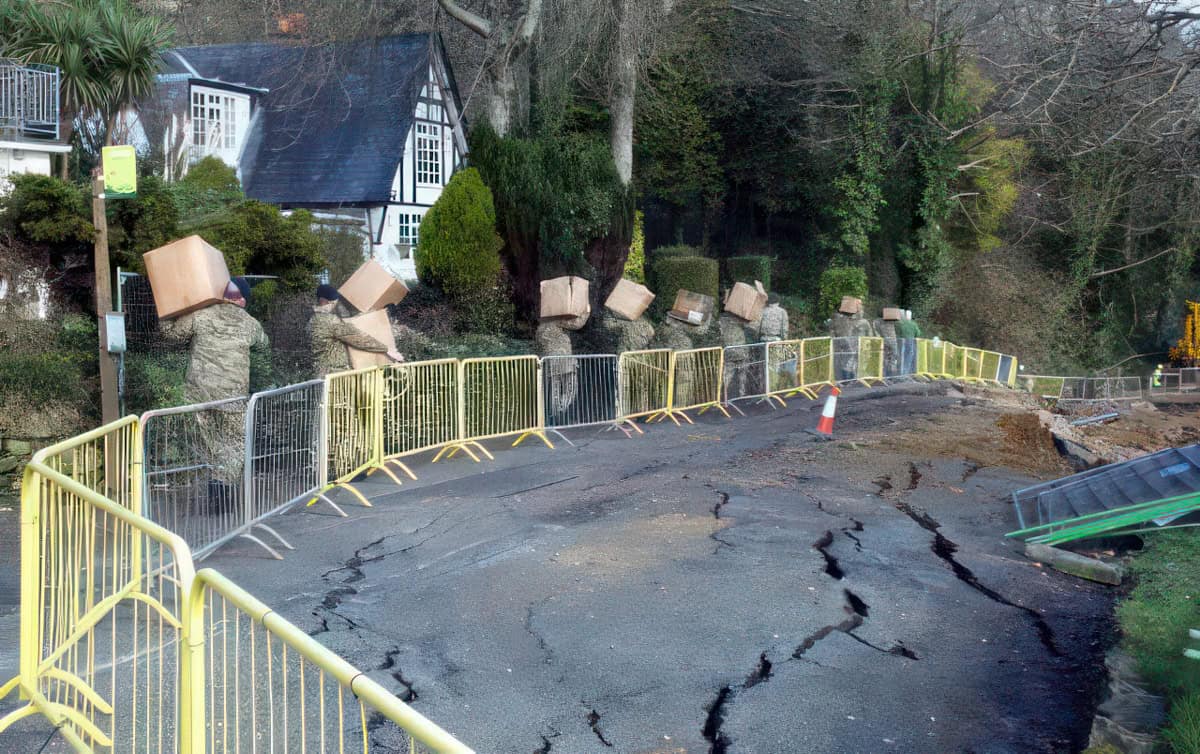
(16, 158)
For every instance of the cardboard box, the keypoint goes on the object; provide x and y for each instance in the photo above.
(892, 315)
(629, 300)
(372, 287)
(693, 308)
(565, 297)
(746, 302)
(851, 305)
(186, 275)
(378, 326)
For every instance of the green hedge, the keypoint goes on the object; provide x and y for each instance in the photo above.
(748, 269)
(675, 250)
(837, 282)
(669, 274)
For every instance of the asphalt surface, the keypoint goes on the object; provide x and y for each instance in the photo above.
(732, 586)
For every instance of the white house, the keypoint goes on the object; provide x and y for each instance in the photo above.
(29, 123)
(365, 134)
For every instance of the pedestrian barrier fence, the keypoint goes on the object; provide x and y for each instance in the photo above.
(285, 454)
(501, 396)
(271, 687)
(799, 367)
(194, 471)
(972, 364)
(1070, 390)
(420, 410)
(100, 597)
(125, 648)
(354, 429)
(645, 382)
(695, 376)
(582, 391)
(1182, 380)
(870, 360)
(745, 376)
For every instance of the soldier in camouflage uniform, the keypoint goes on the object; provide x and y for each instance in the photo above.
(330, 335)
(220, 337)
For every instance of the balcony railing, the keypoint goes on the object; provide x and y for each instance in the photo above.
(28, 101)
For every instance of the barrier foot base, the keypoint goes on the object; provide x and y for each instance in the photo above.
(734, 406)
(323, 498)
(343, 485)
(403, 467)
(283, 542)
(538, 434)
(449, 451)
(270, 550)
(561, 436)
(626, 426)
(670, 413)
(387, 471)
(718, 407)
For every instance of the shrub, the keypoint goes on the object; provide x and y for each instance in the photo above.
(1183, 728)
(489, 311)
(257, 236)
(342, 249)
(837, 282)
(154, 380)
(209, 187)
(748, 269)
(42, 378)
(46, 210)
(675, 250)
(459, 249)
(635, 263)
(141, 223)
(264, 300)
(696, 274)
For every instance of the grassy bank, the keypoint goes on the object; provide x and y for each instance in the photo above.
(1154, 620)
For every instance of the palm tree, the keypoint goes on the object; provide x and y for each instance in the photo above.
(106, 53)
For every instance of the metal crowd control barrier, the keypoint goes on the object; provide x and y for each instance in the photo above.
(645, 382)
(353, 430)
(272, 687)
(745, 376)
(1171, 381)
(582, 391)
(870, 360)
(695, 384)
(194, 473)
(125, 648)
(421, 410)
(499, 396)
(102, 592)
(799, 367)
(285, 454)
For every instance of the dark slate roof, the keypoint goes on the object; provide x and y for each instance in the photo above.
(330, 129)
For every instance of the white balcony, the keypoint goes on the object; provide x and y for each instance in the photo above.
(28, 102)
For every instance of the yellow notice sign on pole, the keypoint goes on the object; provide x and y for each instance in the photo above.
(120, 172)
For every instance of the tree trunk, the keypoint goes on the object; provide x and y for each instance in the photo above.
(624, 92)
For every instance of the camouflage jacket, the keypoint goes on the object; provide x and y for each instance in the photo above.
(330, 335)
(221, 337)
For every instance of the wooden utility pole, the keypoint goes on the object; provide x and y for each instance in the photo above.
(108, 369)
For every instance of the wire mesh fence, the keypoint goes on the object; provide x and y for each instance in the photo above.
(645, 382)
(194, 463)
(745, 374)
(579, 391)
(696, 378)
(284, 454)
(500, 396)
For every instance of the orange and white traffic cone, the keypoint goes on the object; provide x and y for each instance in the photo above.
(825, 424)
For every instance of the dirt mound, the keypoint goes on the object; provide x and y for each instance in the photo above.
(1027, 438)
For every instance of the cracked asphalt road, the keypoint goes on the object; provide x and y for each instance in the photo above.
(731, 586)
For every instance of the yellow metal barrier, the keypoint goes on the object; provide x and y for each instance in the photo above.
(870, 360)
(499, 396)
(695, 383)
(645, 383)
(421, 410)
(353, 430)
(989, 366)
(101, 593)
(271, 687)
(799, 367)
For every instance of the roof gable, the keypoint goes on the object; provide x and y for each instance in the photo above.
(329, 128)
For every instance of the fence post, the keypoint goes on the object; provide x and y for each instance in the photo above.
(192, 716)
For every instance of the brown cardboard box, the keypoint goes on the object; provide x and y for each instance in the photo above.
(892, 315)
(746, 302)
(186, 275)
(565, 297)
(378, 326)
(693, 308)
(372, 287)
(629, 300)
(850, 305)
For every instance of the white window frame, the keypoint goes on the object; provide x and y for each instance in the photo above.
(429, 154)
(215, 124)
